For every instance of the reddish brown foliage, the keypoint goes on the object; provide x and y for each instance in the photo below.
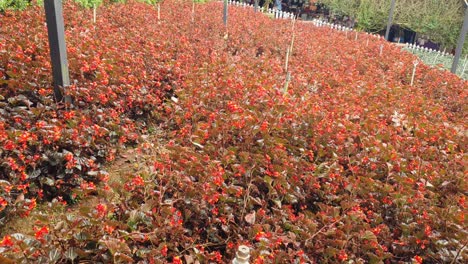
(351, 163)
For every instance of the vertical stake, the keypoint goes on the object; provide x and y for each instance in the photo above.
(287, 59)
(415, 63)
(293, 36)
(286, 83)
(435, 59)
(94, 13)
(159, 11)
(58, 49)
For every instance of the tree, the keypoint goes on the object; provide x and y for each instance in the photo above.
(439, 20)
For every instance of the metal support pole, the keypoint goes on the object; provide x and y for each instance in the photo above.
(58, 50)
(461, 41)
(256, 6)
(390, 20)
(225, 12)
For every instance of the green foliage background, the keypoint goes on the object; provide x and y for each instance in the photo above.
(13, 4)
(441, 21)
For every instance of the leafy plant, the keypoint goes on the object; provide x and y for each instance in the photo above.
(13, 4)
(441, 23)
(89, 3)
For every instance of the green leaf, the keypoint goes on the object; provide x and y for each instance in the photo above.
(71, 254)
(82, 236)
(34, 174)
(368, 235)
(115, 246)
(268, 180)
(54, 255)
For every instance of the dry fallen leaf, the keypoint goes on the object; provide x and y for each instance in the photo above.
(250, 218)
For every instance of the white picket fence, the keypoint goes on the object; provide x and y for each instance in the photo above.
(322, 23)
(277, 14)
(414, 47)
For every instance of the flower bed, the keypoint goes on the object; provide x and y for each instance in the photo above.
(350, 163)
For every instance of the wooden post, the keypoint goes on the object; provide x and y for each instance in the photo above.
(390, 20)
(461, 41)
(58, 50)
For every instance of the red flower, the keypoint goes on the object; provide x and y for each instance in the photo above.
(164, 250)
(342, 256)
(41, 233)
(176, 260)
(262, 235)
(259, 260)
(68, 156)
(138, 181)
(109, 229)
(3, 204)
(461, 201)
(101, 210)
(6, 241)
(9, 145)
(68, 115)
(427, 230)
(418, 259)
